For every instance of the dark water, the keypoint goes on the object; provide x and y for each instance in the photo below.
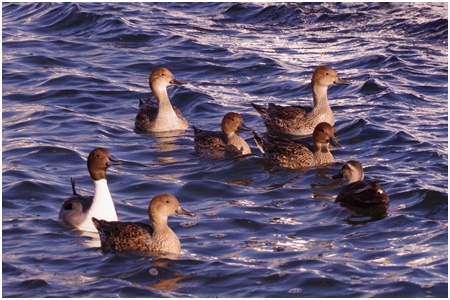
(72, 76)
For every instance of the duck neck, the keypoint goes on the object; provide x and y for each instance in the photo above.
(322, 155)
(163, 98)
(165, 114)
(355, 178)
(160, 226)
(102, 204)
(320, 97)
(159, 222)
(229, 135)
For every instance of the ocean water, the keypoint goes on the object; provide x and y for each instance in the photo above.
(72, 78)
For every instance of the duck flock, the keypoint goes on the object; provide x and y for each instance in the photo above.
(285, 124)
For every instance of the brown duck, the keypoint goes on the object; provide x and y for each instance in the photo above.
(225, 143)
(159, 116)
(300, 120)
(294, 155)
(138, 237)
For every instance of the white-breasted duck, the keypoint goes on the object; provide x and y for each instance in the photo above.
(78, 210)
(296, 155)
(359, 193)
(225, 143)
(138, 237)
(159, 116)
(300, 120)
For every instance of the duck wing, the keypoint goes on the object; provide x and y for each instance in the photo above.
(285, 153)
(209, 144)
(124, 237)
(282, 118)
(146, 115)
(365, 194)
(74, 208)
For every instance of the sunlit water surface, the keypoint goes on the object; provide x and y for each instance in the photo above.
(72, 77)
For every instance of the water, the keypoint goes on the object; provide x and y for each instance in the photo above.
(72, 77)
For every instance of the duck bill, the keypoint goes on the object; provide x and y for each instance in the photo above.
(244, 127)
(334, 142)
(182, 211)
(176, 81)
(339, 175)
(340, 81)
(113, 162)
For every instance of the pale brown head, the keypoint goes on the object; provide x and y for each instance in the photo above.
(326, 76)
(233, 122)
(323, 135)
(98, 161)
(352, 170)
(160, 78)
(164, 205)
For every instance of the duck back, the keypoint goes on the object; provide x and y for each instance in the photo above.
(364, 194)
(135, 237)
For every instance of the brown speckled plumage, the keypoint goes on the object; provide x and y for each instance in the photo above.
(225, 143)
(299, 120)
(138, 237)
(295, 155)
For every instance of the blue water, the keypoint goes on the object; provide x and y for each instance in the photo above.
(72, 77)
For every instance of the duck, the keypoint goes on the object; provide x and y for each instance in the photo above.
(366, 194)
(295, 155)
(160, 116)
(225, 143)
(138, 237)
(77, 210)
(300, 120)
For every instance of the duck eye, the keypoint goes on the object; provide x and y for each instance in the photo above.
(167, 201)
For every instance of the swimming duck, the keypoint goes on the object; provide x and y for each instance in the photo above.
(78, 210)
(295, 155)
(358, 193)
(225, 143)
(299, 120)
(138, 237)
(160, 116)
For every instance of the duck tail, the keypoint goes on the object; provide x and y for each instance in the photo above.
(259, 142)
(96, 223)
(261, 110)
(196, 130)
(72, 181)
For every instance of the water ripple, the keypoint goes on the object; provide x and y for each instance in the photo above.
(73, 74)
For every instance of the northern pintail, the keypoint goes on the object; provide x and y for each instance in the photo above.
(299, 120)
(78, 210)
(138, 237)
(160, 116)
(366, 194)
(295, 155)
(225, 143)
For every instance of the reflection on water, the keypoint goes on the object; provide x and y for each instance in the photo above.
(72, 77)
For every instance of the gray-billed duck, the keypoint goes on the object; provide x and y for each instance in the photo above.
(358, 193)
(160, 116)
(299, 120)
(295, 155)
(225, 143)
(78, 210)
(138, 237)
